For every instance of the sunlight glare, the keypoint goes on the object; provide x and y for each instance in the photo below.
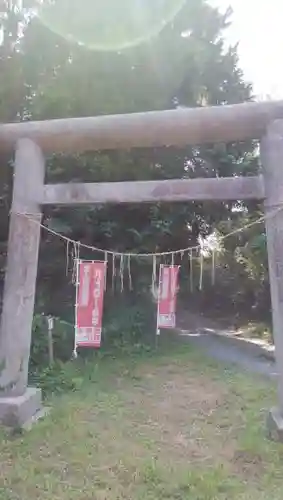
(108, 25)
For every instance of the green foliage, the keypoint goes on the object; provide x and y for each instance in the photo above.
(246, 259)
(128, 326)
(55, 379)
(130, 319)
(51, 378)
(63, 341)
(242, 284)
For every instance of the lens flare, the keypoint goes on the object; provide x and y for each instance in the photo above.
(108, 25)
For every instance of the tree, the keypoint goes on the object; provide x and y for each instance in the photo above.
(184, 65)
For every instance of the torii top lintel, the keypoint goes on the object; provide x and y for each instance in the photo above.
(178, 127)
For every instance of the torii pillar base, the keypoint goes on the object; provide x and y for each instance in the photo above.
(20, 412)
(275, 425)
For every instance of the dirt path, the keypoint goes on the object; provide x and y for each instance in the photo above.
(224, 345)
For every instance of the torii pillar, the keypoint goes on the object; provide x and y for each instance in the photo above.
(272, 162)
(19, 404)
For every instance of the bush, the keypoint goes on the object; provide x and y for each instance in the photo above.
(55, 379)
(63, 341)
(129, 320)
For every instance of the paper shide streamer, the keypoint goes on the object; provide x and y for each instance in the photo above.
(125, 266)
(189, 250)
(122, 272)
(67, 258)
(76, 258)
(165, 255)
(201, 258)
(129, 273)
(113, 271)
(154, 275)
(213, 267)
(191, 271)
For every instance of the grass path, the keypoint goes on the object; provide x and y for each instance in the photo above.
(167, 426)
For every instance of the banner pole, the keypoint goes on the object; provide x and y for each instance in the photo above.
(75, 352)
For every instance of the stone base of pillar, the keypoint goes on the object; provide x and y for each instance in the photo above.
(21, 411)
(275, 425)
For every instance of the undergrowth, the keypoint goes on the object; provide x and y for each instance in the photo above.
(128, 330)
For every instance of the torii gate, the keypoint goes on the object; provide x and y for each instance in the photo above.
(32, 140)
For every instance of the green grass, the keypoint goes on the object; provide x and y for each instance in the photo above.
(171, 425)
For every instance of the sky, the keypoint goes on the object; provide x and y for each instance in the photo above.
(257, 26)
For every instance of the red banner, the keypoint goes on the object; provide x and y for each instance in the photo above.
(167, 296)
(89, 307)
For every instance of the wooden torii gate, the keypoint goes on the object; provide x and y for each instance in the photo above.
(32, 140)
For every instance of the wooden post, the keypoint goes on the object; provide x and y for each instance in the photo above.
(20, 281)
(272, 161)
(50, 324)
